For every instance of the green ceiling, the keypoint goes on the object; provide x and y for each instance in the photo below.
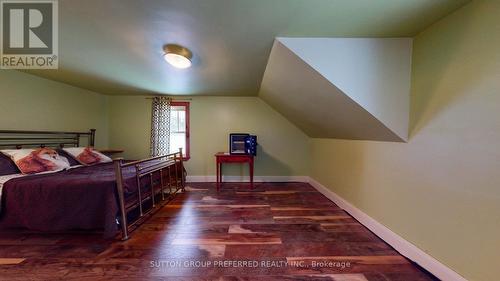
(115, 46)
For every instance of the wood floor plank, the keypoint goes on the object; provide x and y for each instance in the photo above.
(326, 217)
(299, 208)
(10, 261)
(203, 206)
(231, 239)
(290, 230)
(394, 259)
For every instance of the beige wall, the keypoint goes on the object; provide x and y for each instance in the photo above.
(29, 102)
(283, 148)
(441, 190)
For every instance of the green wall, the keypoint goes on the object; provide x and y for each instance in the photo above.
(33, 103)
(284, 150)
(29, 102)
(441, 190)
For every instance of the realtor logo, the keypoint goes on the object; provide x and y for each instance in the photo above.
(29, 34)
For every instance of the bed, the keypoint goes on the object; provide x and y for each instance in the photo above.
(101, 197)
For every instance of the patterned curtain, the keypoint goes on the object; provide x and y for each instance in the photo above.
(160, 126)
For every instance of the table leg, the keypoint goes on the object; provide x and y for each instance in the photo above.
(218, 174)
(250, 164)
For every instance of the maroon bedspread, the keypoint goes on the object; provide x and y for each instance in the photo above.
(81, 198)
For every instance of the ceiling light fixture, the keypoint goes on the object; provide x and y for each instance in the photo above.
(177, 56)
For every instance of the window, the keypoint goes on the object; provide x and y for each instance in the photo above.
(179, 128)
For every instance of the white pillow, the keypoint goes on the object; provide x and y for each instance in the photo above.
(87, 155)
(33, 161)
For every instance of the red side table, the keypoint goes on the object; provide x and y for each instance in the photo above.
(224, 157)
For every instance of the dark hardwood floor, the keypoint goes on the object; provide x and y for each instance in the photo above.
(278, 231)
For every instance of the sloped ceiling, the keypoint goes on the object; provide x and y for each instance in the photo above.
(341, 87)
(115, 46)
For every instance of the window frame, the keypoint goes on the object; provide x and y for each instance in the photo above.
(185, 104)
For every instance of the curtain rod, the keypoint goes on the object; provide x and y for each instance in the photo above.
(150, 98)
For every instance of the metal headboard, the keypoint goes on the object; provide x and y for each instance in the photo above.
(21, 139)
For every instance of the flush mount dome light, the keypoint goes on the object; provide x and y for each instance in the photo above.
(177, 56)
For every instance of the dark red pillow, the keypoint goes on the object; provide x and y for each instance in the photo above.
(7, 166)
(72, 161)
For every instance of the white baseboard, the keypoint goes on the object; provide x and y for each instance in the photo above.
(404, 247)
(247, 179)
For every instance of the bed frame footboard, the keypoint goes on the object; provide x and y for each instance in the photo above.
(161, 166)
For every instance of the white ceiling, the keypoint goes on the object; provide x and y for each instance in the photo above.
(115, 46)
